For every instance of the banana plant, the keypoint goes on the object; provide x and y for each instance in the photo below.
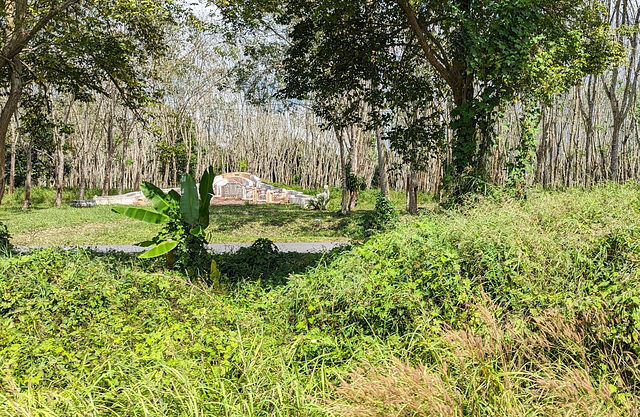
(184, 216)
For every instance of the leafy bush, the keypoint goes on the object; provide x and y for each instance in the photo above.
(5, 244)
(388, 286)
(105, 330)
(319, 202)
(262, 261)
(383, 216)
(492, 306)
(97, 335)
(524, 257)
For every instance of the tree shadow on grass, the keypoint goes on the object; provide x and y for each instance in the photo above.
(264, 263)
(269, 271)
(289, 217)
(261, 263)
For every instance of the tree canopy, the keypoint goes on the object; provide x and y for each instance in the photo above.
(478, 55)
(81, 46)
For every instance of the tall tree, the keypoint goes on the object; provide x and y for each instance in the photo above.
(91, 44)
(485, 53)
(621, 87)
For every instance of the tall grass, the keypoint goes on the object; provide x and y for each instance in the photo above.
(87, 335)
(506, 371)
(505, 308)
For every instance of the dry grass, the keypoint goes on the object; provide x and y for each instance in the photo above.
(538, 368)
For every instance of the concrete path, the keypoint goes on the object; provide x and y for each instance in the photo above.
(302, 247)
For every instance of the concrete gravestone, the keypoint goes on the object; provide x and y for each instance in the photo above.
(230, 188)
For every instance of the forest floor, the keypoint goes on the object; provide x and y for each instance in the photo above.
(45, 225)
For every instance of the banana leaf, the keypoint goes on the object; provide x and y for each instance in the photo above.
(156, 197)
(162, 249)
(197, 231)
(189, 203)
(142, 214)
(206, 192)
(174, 196)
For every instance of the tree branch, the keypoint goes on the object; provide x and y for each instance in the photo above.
(21, 37)
(439, 63)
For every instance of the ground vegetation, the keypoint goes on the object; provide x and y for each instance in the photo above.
(508, 307)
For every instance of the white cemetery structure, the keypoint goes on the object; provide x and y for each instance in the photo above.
(230, 188)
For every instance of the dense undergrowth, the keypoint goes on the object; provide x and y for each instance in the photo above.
(504, 308)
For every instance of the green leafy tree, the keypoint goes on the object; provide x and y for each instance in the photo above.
(489, 53)
(184, 217)
(80, 47)
(484, 54)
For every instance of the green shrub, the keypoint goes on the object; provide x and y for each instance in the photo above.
(5, 243)
(262, 261)
(105, 326)
(384, 214)
(556, 251)
(95, 335)
(319, 202)
(393, 283)
(184, 218)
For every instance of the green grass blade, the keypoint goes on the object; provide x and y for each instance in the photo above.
(156, 197)
(142, 214)
(189, 203)
(162, 249)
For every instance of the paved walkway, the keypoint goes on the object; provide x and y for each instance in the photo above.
(302, 247)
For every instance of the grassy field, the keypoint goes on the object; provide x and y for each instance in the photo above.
(504, 308)
(45, 225)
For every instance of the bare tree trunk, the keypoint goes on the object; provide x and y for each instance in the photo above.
(615, 149)
(622, 15)
(27, 182)
(126, 131)
(123, 167)
(174, 165)
(8, 110)
(15, 134)
(343, 165)
(83, 169)
(139, 161)
(588, 116)
(187, 131)
(109, 160)
(165, 180)
(59, 141)
(412, 191)
(353, 164)
(199, 139)
(15, 37)
(382, 164)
